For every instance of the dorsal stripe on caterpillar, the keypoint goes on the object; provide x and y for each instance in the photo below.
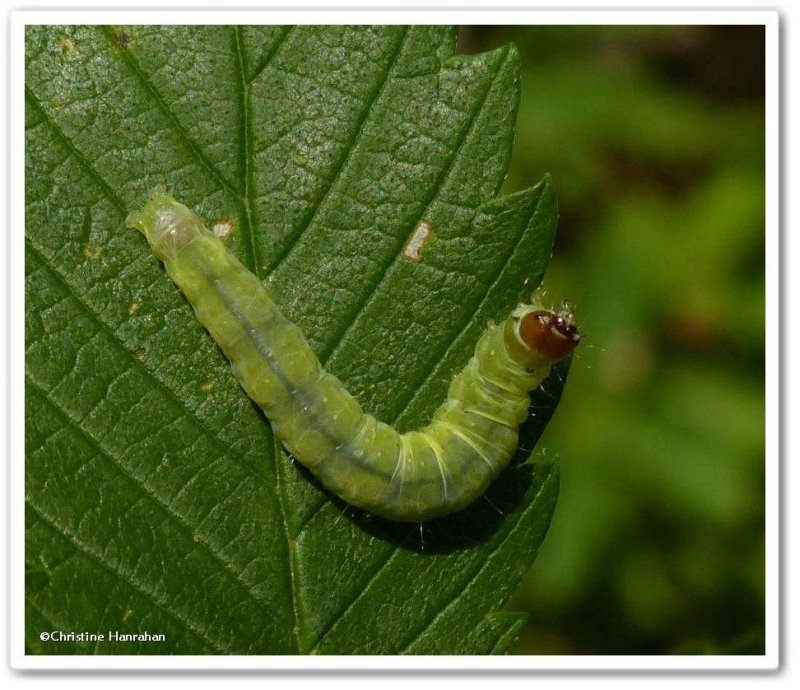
(409, 477)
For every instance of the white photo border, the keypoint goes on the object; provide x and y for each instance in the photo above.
(16, 329)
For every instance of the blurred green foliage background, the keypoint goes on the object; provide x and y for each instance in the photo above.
(655, 140)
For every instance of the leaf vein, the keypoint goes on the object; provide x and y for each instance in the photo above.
(290, 547)
(182, 621)
(245, 152)
(270, 54)
(371, 290)
(452, 343)
(106, 328)
(75, 151)
(226, 566)
(367, 584)
(127, 59)
(317, 509)
(341, 165)
(483, 563)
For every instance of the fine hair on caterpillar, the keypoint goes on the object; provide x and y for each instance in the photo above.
(410, 477)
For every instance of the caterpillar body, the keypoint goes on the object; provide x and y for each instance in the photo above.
(409, 477)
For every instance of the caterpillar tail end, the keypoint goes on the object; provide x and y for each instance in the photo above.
(135, 220)
(167, 224)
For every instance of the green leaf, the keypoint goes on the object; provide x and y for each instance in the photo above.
(157, 497)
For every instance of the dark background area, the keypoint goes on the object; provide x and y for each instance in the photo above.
(655, 140)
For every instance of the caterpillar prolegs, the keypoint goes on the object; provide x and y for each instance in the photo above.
(409, 477)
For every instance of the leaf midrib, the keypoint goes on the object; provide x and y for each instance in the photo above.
(245, 152)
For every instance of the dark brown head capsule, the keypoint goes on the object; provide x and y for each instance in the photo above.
(552, 334)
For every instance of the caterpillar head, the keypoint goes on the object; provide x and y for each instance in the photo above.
(540, 333)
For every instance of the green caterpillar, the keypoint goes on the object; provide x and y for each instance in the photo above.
(408, 477)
